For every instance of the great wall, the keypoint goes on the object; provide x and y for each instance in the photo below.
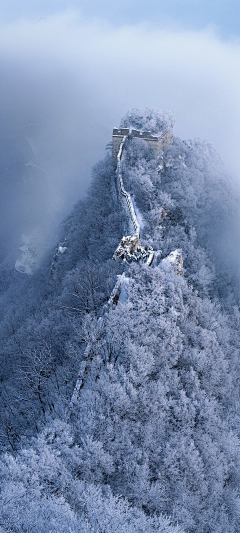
(157, 142)
(129, 248)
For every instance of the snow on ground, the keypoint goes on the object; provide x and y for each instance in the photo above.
(174, 259)
(139, 216)
(124, 289)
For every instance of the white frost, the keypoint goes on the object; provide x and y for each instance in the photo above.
(174, 259)
(62, 249)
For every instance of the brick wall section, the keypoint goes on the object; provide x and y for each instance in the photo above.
(116, 141)
(157, 142)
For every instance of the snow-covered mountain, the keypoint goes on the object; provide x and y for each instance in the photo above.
(120, 377)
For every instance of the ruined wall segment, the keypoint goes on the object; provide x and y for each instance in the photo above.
(157, 142)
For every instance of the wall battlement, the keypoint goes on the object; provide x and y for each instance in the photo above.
(157, 142)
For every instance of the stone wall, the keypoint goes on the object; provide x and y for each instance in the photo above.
(157, 142)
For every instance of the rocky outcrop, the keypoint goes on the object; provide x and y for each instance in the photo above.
(130, 250)
(175, 260)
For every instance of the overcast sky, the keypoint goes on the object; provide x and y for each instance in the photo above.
(74, 68)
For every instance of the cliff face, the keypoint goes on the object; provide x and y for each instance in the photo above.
(152, 350)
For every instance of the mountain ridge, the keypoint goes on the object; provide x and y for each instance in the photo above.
(153, 432)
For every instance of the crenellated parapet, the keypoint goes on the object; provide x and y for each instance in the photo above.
(157, 142)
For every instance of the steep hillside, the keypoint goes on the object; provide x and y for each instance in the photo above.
(148, 441)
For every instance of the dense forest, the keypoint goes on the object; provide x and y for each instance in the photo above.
(151, 441)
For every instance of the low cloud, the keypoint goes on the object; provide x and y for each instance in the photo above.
(65, 82)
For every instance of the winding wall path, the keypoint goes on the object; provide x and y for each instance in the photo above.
(117, 288)
(123, 192)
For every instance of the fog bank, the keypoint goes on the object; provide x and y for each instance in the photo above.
(65, 82)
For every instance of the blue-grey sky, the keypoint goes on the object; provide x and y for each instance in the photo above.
(72, 69)
(191, 14)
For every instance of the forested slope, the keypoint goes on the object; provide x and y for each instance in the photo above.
(152, 442)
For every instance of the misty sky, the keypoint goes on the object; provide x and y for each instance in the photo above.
(192, 14)
(69, 71)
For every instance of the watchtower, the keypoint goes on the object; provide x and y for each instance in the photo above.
(157, 142)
